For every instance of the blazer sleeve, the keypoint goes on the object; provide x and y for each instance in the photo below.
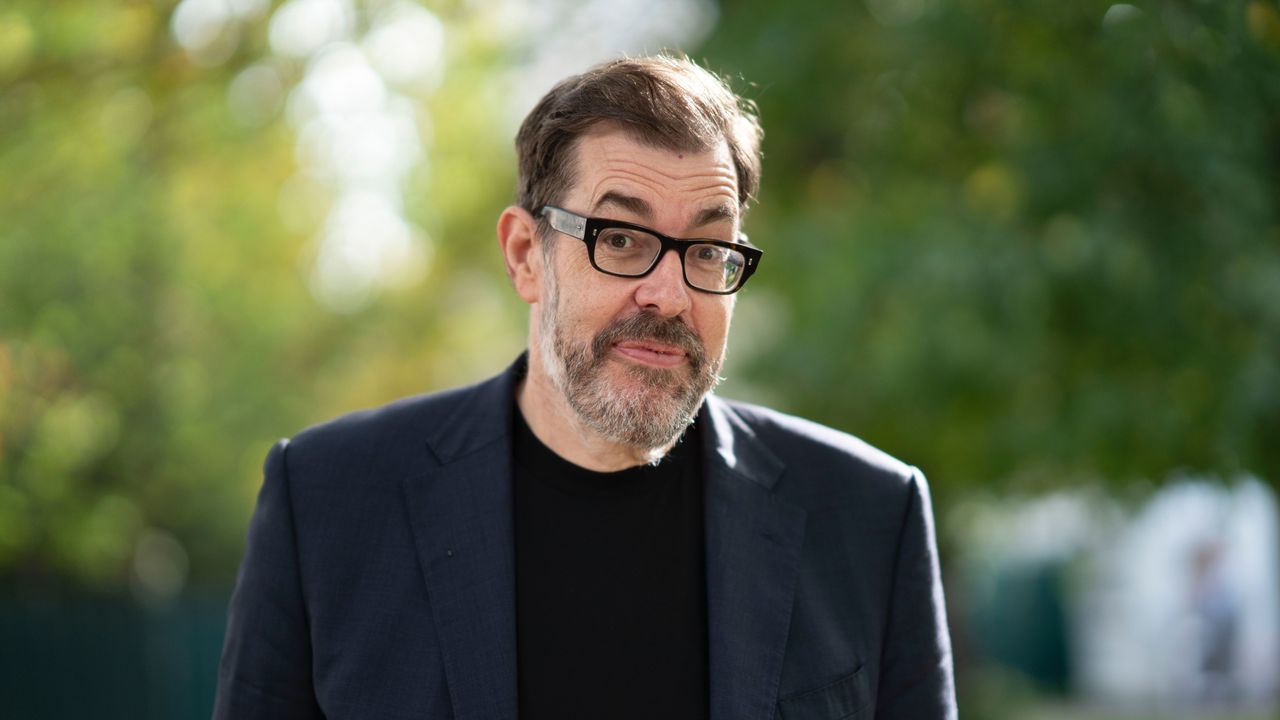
(265, 670)
(916, 680)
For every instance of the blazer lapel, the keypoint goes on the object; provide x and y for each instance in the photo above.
(461, 517)
(753, 543)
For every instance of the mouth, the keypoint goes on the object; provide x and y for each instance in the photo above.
(654, 354)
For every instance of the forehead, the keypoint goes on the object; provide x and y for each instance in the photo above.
(675, 184)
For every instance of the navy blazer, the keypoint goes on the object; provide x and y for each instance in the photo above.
(378, 580)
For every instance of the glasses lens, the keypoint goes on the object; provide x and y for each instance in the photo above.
(625, 251)
(714, 268)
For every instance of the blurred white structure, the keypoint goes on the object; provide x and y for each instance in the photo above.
(1181, 607)
(1172, 606)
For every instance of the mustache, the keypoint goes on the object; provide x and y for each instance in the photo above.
(643, 326)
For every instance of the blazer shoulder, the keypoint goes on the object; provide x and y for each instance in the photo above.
(822, 461)
(398, 417)
(391, 439)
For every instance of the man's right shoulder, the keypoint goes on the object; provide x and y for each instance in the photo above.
(383, 442)
(397, 420)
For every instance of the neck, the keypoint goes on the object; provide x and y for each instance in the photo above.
(558, 427)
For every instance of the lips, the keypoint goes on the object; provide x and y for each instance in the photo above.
(647, 340)
(651, 353)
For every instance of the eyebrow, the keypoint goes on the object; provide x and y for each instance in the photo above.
(627, 202)
(638, 206)
(722, 212)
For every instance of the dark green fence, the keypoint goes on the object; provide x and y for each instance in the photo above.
(80, 657)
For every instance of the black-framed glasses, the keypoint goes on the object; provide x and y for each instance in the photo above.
(627, 250)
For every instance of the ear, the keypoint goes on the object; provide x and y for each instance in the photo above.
(521, 251)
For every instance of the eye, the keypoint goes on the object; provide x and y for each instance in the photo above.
(618, 240)
(709, 253)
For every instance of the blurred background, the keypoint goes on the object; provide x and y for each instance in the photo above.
(1032, 247)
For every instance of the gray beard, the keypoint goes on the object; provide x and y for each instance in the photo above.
(653, 410)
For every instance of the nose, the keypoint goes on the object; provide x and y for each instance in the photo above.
(663, 291)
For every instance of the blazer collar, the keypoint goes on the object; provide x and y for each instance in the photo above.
(734, 446)
(753, 545)
(460, 509)
(478, 416)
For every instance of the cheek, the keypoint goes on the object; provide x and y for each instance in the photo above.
(713, 325)
(585, 304)
(596, 299)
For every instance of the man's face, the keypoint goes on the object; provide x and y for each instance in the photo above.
(634, 357)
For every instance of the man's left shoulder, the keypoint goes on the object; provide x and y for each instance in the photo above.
(821, 461)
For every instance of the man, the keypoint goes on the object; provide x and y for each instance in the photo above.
(591, 534)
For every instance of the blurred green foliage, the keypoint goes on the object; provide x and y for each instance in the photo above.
(1023, 243)
(1014, 243)
(157, 333)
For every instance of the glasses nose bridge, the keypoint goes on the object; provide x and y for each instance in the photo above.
(669, 245)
